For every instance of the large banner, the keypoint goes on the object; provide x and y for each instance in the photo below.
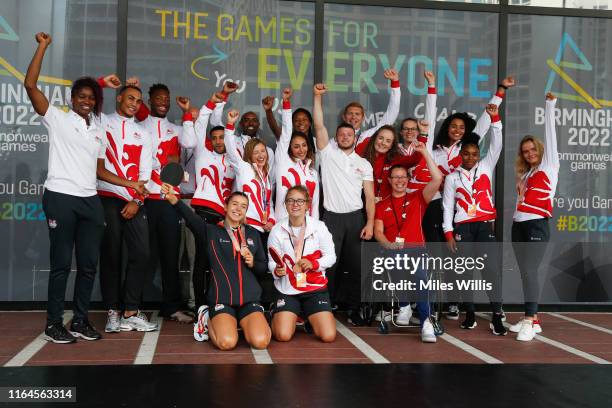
(569, 57)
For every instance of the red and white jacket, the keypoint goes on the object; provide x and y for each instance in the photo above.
(168, 139)
(540, 183)
(447, 158)
(214, 175)
(419, 174)
(290, 172)
(318, 249)
(261, 206)
(468, 195)
(129, 154)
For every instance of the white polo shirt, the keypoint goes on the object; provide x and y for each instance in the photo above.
(74, 150)
(342, 179)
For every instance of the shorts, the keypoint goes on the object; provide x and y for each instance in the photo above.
(238, 312)
(303, 304)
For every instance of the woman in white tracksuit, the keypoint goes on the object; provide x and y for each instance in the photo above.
(304, 250)
(294, 163)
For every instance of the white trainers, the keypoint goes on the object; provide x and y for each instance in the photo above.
(112, 322)
(428, 334)
(403, 318)
(138, 322)
(515, 328)
(383, 315)
(527, 331)
(200, 328)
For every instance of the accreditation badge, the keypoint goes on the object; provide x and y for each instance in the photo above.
(471, 212)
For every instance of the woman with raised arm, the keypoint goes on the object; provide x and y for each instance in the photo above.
(469, 213)
(236, 255)
(252, 176)
(537, 172)
(301, 121)
(75, 216)
(305, 249)
(295, 164)
(447, 145)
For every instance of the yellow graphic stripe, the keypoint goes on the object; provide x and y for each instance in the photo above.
(194, 72)
(577, 98)
(573, 84)
(42, 78)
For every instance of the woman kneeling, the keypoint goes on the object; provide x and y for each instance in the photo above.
(301, 249)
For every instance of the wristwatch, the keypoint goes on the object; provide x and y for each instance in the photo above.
(138, 201)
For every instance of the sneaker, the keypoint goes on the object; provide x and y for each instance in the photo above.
(527, 332)
(403, 318)
(415, 320)
(437, 325)
(537, 328)
(497, 325)
(470, 321)
(308, 327)
(428, 334)
(453, 312)
(138, 322)
(299, 321)
(181, 317)
(503, 315)
(354, 318)
(383, 314)
(57, 333)
(113, 322)
(85, 331)
(200, 328)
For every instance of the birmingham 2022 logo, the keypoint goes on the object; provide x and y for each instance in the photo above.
(557, 66)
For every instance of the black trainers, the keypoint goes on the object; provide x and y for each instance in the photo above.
(354, 318)
(470, 321)
(57, 333)
(497, 325)
(85, 331)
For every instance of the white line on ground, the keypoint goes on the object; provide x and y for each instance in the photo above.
(361, 345)
(580, 322)
(558, 344)
(146, 351)
(261, 356)
(470, 349)
(34, 347)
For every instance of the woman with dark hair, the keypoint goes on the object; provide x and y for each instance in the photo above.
(295, 164)
(75, 217)
(469, 214)
(236, 255)
(447, 146)
(305, 249)
(382, 153)
(301, 121)
(537, 172)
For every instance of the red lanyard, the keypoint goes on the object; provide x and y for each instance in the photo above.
(399, 226)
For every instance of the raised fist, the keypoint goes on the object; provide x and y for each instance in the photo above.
(232, 116)
(320, 89)
(391, 74)
(43, 38)
(268, 102)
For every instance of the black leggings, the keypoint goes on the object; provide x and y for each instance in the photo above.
(74, 223)
(529, 257)
(481, 231)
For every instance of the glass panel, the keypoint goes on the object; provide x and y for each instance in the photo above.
(84, 43)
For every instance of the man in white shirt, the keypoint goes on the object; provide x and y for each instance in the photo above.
(345, 175)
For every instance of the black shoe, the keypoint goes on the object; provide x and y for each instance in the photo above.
(308, 327)
(354, 318)
(470, 321)
(84, 330)
(437, 325)
(497, 325)
(57, 333)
